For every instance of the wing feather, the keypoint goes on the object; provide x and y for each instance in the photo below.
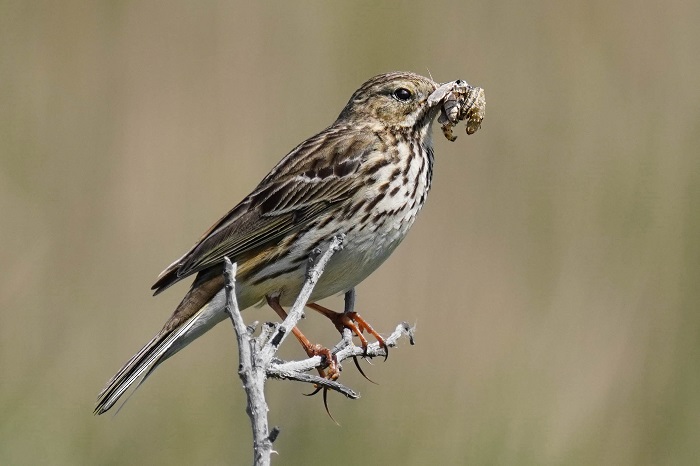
(303, 186)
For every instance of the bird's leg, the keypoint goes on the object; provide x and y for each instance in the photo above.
(351, 320)
(350, 307)
(310, 348)
(349, 300)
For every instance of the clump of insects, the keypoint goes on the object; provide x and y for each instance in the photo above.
(459, 101)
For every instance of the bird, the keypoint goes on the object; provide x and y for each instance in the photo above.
(366, 176)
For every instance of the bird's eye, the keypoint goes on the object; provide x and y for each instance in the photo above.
(402, 94)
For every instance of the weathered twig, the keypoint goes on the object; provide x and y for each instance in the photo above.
(257, 360)
(252, 374)
(344, 350)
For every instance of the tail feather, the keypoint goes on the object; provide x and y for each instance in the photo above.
(143, 363)
(200, 309)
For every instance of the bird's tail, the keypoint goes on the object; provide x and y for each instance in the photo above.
(165, 344)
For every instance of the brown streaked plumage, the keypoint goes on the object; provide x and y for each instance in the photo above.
(367, 176)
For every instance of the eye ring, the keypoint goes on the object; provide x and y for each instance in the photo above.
(402, 94)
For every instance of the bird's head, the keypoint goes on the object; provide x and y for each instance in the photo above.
(391, 100)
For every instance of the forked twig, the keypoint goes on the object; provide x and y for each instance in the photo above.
(257, 361)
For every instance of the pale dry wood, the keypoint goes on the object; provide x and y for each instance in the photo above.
(257, 361)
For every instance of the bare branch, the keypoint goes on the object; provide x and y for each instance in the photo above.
(344, 350)
(257, 360)
(252, 375)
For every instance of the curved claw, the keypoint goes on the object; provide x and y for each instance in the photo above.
(318, 389)
(383, 344)
(325, 404)
(325, 400)
(359, 368)
(365, 326)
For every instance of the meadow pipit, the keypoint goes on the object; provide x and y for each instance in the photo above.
(366, 176)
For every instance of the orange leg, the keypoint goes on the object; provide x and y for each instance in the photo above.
(310, 348)
(354, 322)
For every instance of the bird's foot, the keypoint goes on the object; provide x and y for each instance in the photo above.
(331, 370)
(353, 321)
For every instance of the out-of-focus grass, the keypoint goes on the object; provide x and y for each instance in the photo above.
(553, 274)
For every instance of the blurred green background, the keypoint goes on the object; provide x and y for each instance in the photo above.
(554, 274)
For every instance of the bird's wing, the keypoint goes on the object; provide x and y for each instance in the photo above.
(316, 175)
